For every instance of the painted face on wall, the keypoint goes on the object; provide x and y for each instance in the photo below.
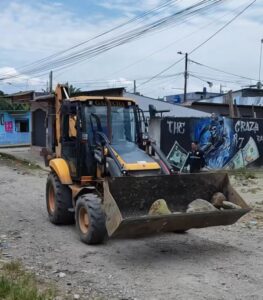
(213, 131)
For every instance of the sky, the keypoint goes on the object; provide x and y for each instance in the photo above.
(31, 30)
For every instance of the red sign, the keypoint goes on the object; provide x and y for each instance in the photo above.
(9, 126)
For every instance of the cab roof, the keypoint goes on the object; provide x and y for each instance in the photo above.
(99, 98)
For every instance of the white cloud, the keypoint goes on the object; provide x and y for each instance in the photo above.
(29, 32)
(120, 82)
(17, 78)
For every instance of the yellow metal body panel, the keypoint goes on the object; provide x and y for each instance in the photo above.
(60, 167)
(139, 166)
(58, 102)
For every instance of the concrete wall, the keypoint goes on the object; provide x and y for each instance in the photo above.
(155, 130)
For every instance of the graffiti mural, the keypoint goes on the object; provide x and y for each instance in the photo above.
(226, 143)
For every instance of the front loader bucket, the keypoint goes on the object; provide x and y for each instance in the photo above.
(128, 200)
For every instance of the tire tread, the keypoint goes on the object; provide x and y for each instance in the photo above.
(97, 229)
(62, 215)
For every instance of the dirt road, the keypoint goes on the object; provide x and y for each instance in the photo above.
(214, 263)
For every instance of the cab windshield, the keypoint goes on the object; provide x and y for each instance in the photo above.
(123, 122)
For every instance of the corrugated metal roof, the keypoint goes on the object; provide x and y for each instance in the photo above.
(246, 97)
(175, 110)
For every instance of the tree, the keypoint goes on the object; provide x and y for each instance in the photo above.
(2, 93)
(73, 90)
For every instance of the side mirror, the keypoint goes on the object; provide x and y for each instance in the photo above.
(152, 111)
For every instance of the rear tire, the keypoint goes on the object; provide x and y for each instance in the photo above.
(59, 201)
(90, 219)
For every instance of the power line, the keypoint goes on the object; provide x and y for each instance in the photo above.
(130, 21)
(170, 44)
(222, 77)
(206, 78)
(222, 71)
(123, 38)
(102, 81)
(223, 27)
(203, 43)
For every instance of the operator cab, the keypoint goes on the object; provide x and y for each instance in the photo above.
(92, 124)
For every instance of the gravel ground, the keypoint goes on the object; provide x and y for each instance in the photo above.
(211, 263)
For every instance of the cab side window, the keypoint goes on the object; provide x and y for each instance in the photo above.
(69, 121)
(72, 132)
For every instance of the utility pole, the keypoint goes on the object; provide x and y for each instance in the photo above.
(134, 87)
(185, 76)
(50, 82)
(229, 100)
(260, 61)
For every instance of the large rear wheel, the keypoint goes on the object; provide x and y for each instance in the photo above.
(59, 201)
(90, 219)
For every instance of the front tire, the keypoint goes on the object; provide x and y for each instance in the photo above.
(58, 201)
(90, 219)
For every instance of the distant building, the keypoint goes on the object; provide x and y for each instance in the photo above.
(37, 111)
(15, 123)
(247, 96)
(247, 103)
(190, 97)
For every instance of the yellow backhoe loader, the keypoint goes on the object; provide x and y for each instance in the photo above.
(108, 177)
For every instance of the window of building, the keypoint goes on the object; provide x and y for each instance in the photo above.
(22, 125)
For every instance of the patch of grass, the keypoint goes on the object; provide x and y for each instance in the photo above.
(12, 267)
(18, 284)
(244, 174)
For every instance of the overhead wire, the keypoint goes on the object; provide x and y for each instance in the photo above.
(135, 19)
(206, 78)
(101, 81)
(201, 44)
(159, 50)
(123, 38)
(170, 44)
(221, 71)
(130, 21)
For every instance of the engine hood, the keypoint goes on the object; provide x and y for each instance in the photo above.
(132, 158)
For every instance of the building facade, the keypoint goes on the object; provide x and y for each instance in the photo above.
(15, 124)
(190, 97)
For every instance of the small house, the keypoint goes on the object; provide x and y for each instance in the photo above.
(15, 123)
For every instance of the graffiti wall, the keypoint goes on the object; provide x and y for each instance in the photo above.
(226, 143)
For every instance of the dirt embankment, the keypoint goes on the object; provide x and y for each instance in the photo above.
(212, 263)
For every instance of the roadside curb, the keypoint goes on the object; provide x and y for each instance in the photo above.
(23, 161)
